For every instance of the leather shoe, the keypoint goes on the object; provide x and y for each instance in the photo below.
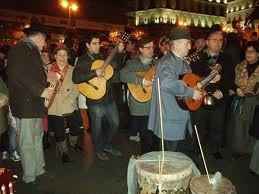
(218, 156)
(102, 156)
(65, 158)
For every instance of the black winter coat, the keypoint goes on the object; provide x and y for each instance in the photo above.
(26, 81)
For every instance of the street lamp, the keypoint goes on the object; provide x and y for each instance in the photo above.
(71, 6)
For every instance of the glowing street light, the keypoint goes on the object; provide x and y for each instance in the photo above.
(64, 4)
(71, 6)
(74, 7)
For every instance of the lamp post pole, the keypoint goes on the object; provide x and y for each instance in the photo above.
(71, 7)
(69, 16)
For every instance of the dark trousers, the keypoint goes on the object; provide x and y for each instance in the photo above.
(119, 93)
(210, 125)
(101, 113)
(59, 123)
(172, 146)
(4, 141)
(139, 123)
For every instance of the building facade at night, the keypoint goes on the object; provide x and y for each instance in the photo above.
(241, 11)
(196, 13)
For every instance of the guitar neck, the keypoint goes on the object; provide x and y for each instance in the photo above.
(110, 56)
(207, 80)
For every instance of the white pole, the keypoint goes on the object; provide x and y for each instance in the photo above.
(161, 123)
(203, 158)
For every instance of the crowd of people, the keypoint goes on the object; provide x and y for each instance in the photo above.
(40, 94)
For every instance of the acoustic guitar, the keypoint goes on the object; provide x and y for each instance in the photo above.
(139, 92)
(192, 81)
(95, 88)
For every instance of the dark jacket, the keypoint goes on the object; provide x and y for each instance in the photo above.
(202, 67)
(3, 107)
(26, 81)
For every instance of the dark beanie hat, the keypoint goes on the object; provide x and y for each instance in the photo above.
(144, 40)
(34, 29)
(179, 33)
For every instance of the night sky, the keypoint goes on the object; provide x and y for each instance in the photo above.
(100, 10)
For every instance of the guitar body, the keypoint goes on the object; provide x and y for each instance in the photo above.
(139, 92)
(95, 88)
(191, 81)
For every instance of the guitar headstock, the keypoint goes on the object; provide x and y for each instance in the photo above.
(124, 36)
(216, 67)
(192, 58)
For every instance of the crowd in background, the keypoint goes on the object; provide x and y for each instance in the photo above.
(232, 122)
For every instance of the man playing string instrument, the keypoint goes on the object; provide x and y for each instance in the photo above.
(103, 109)
(131, 74)
(175, 120)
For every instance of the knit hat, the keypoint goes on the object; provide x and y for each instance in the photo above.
(179, 33)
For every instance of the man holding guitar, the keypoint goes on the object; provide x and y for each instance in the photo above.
(103, 108)
(174, 119)
(210, 119)
(140, 90)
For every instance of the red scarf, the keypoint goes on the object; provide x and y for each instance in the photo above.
(55, 68)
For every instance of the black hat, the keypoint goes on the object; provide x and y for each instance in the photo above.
(180, 33)
(35, 29)
(144, 40)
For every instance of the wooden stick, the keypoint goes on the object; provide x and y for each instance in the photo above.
(159, 165)
(203, 158)
(161, 123)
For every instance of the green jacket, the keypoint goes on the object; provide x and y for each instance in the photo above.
(3, 109)
(129, 75)
(3, 88)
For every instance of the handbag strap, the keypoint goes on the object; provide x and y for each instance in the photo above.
(58, 86)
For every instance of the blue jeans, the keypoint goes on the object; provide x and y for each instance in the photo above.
(12, 139)
(100, 114)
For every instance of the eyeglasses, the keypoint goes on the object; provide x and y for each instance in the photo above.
(148, 47)
(216, 40)
(95, 43)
